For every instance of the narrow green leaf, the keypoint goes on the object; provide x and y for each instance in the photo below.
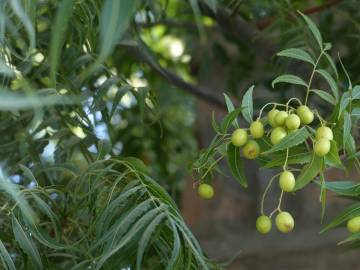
(351, 238)
(214, 124)
(289, 78)
(145, 238)
(8, 263)
(346, 128)
(314, 30)
(330, 80)
(247, 104)
(26, 243)
(322, 196)
(333, 158)
(298, 158)
(348, 213)
(230, 106)
(355, 113)
(176, 252)
(344, 188)
(294, 138)
(298, 54)
(235, 164)
(115, 18)
(332, 64)
(309, 172)
(230, 118)
(324, 95)
(58, 31)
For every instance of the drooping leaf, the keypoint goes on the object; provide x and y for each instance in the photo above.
(344, 188)
(294, 138)
(298, 158)
(309, 172)
(332, 64)
(5, 258)
(289, 78)
(330, 80)
(348, 213)
(333, 158)
(314, 30)
(324, 95)
(230, 118)
(247, 104)
(235, 164)
(346, 128)
(115, 18)
(298, 54)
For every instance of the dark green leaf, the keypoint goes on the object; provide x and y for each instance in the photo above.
(314, 30)
(330, 80)
(309, 172)
(324, 95)
(235, 164)
(247, 104)
(289, 78)
(348, 213)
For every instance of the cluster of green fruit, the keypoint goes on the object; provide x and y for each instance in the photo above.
(282, 122)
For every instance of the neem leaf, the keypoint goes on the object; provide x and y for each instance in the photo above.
(235, 164)
(247, 104)
(309, 172)
(313, 28)
(298, 54)
(289, 78)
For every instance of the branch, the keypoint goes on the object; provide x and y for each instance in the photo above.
(240, 29)
(200, 92)
(264, 23)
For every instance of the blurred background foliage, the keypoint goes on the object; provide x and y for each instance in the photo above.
(89, 80)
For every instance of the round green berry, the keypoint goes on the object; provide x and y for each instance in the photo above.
(287, 181)
(239, 137)
(292, 122)
(251, 150)
(280, 118)
(206, 191)
(305, 114)
(284, 222)
(324, 132)
(271, 117)
(263, 224)
(353, 225)
(257, 129)
(277, 134)
(322, 147)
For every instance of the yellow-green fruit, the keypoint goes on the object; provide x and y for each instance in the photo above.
(292, 122)
(324, 132)
(277, 134)
(280, 118)
(284, 222)
(271, 117)
(263, 224)
(287, 181)
(239, 137)
(322, 147)
(353, 225)
(257, 129)
(306, 116)
(251, 150)
(206, 191)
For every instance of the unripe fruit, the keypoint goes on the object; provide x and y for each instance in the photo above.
(292, 122)
(257, 129)
(206, 191)
(277, 134)
(239, 137)
(322, 147)
(353, 225)
(263, 224)
(280, 118)
(306, 116)
(284, 222)
(251, 150)
(287, 181)
(271, 117)
(324, 132)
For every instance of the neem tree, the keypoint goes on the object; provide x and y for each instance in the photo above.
(294, 138)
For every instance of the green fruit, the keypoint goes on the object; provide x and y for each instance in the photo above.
(284, 222)
(280, 118)
(287, 181)
(251, 150)
(322, 147)
(277, 134)
(206, 191)
(271, 117)
(353, 225)
(324, 132)
(239, 137)
(292, 122)
(263, 224)
(306, 116)
(257, 129)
